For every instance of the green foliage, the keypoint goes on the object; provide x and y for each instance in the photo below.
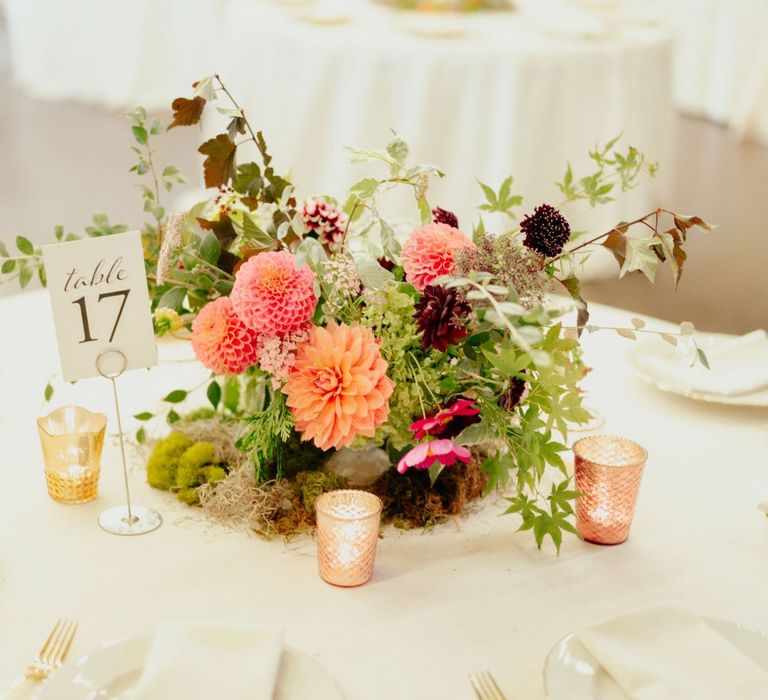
(503, 201)
(313, 484)
(264, 436)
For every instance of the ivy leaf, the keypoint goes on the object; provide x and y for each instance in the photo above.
(365, 188)
(172, 417)
(24, 245)
(187, 112)
(210, 248)
(398, 149)
(372, 275)
(140, 134)
(640, 257)
(626, 333)
(214, 394)
(219, 165)
(176, 396)
(4, 250)
(25, 275)
(389, 243)
(141, 436)
(8, 266)
(48, 392)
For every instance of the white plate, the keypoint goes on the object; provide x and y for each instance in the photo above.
(656, 347)
(112, 671)
(572, 673)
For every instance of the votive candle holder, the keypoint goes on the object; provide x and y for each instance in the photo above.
(72, 439)
(347, 536)
(608, 473)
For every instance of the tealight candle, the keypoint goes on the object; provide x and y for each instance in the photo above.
(72, 439)
(608, 473)
(347, 536)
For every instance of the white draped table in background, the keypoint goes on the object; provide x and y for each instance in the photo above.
(503, 96)
(467, 595)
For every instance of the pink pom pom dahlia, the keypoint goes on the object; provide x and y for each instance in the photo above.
(430, 252)
(221, 341)
(338, 388)
(271, 296)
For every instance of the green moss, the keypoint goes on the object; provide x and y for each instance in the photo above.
(188, 496)
(199, 414)
(191, 463)
(213, 475)
(163, 463)
(311, 485)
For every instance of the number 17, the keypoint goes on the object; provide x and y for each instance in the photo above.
(84, 313)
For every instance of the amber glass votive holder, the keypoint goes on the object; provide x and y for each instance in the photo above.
(72, 439)
(347, 536)
(608, 474)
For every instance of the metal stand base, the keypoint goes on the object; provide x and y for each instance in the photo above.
(116, 521)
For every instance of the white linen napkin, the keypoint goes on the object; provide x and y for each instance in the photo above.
(662, 653)
(205, 660)
(737, 366)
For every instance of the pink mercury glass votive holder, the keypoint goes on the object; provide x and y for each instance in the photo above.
(347, 536)
(608, 473)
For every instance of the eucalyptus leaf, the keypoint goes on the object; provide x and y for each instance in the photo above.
(372, 274)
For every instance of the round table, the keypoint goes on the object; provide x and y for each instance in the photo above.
(464, 596)
(484, 96)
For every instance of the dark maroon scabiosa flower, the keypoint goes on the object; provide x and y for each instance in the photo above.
(546, 231)
(443, 216)
(440, 315)
(513, 394)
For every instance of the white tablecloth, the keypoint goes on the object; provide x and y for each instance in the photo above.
(465, 596)
(505, 97)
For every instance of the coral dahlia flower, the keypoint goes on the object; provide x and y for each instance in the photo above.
(430, 252)
(271, 296)
(425, 454)
(221, 341)
(338, 387)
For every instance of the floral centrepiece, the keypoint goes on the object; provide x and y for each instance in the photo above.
(432, 358)
(338, 388)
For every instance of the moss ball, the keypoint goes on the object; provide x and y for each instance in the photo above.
(213, 475)
(188, 496)
(163, 463)
(191, 463)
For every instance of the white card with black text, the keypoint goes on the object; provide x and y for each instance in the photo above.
(98, 290)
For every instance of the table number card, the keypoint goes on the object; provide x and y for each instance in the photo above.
(98, 290)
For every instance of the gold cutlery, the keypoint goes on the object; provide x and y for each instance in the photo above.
(485, 686)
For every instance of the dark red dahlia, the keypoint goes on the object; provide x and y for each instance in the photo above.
(546, 231)
(440, 317)
(386, 263)
(443, 216)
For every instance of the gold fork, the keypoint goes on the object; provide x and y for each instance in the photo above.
(51, 655)
(485, 686)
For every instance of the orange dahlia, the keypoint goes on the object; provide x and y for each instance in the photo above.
(271, 296)
(221, 341)
(430, 252)
(338, 387)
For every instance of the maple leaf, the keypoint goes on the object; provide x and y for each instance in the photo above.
(187, 112)
(219, 165)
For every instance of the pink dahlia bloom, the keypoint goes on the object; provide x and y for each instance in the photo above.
(425, 454)
(459, 414)
(338, 388)
(221, 341)
(430, 252)
(271, 296)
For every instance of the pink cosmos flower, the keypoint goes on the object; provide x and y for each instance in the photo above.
(425, 454)
(437, 424)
